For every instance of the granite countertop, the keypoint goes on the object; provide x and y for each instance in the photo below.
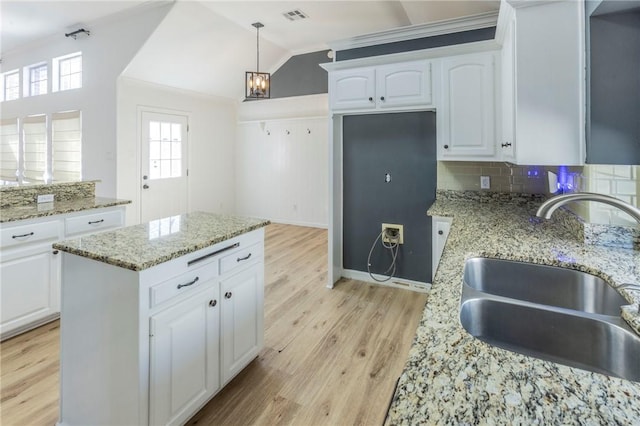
(34, 210)
(143, 246)
(452, 378)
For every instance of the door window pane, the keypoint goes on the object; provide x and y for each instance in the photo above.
(165, 150)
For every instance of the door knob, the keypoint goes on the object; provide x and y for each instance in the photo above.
(145, 186)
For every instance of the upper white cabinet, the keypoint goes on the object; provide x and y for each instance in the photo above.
(398, 85)
(467, 109)
(543, 83)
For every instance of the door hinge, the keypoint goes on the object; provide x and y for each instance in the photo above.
(187, 128)
(187, 172)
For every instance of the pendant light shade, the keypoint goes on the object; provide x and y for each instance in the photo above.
(257, 85)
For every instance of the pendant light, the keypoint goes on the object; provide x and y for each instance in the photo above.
(256, 83)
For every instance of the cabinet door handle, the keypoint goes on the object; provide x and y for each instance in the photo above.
(504, 145)
(240, 259)
(95, 221)
(228, 295)
(206, 256)
(56, 252)
(188, 284)
(446, 147)
(23, 235)
(440, 232)
(382, 98)
(370, 99)
(213, 303)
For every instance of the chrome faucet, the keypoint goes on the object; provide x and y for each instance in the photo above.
(548, 207)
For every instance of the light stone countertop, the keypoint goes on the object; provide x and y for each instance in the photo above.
(34, 210)
(142, 246)
(452, 378)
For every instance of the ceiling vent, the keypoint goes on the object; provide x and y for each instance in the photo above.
(295, 15)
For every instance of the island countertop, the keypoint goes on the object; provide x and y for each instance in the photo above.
(452, 378)
(142, 246)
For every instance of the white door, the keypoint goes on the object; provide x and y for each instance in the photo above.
(164, 165)
(184, 369)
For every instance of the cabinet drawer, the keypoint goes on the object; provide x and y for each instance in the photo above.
(240, 258)
(182, 284)
(27, 234)
(93, 222)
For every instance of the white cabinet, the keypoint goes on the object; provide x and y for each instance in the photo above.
(30, 268)
(467, 114)
(543, 83)
(392, 86)
(151, 347)
(242, 320)
(184, 357)
(440, 231)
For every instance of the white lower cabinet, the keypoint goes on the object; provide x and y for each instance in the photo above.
(184, 357)
(242, 320)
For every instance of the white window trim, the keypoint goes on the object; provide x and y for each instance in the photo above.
(55, 71)
(26, 79)
(2, 80)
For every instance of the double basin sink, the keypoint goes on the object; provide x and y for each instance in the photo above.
(556, 314)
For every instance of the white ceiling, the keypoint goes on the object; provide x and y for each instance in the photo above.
(205, 46)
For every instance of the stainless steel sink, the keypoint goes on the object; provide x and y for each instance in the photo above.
(549, 322)
(547, 285)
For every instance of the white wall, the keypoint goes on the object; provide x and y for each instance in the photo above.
(282, 160)
(112, 44)
(212, 133)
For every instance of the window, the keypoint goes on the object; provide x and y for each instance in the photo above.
(9, 139)
(34, 130)
(67, 72)
(36, 80)
(66, 144)
(165, 149)
(10, 85)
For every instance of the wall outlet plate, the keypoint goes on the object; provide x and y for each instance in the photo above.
(400, 229)
(485, 182)
(45, 198)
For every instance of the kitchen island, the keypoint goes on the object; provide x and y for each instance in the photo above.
(452, 378)
(157, 318)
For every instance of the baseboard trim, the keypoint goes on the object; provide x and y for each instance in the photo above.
(417, 286)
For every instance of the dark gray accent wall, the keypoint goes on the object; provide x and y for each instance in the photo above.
(613, 122)
(418, 44)
(300, 75)
(404, 145)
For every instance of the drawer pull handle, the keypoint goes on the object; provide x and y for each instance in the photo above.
(213, 303)
(228, 295)
(206, 256)
(23, 235)
(240, 259)
(188, 284)
(95, 221)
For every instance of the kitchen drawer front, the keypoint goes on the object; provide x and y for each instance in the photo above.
(185, 283)
(16, 236)
(94, 222)
(241, 257)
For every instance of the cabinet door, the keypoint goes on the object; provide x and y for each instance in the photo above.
(184, 357)
(440, 232)
(404, 84)
(242, 319)
(467, 116)
(352, 89)
(30, 291)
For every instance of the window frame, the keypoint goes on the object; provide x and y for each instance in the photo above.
(3, 85)
(28, 82)
(57, 75)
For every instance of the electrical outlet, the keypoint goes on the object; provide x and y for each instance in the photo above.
(398, 228)
(485, 182)
(46, 198)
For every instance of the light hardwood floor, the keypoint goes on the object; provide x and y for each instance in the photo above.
(331, 357)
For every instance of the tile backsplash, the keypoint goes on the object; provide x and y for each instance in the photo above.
(619, 181)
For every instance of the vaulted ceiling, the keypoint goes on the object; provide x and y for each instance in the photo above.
(205, 46)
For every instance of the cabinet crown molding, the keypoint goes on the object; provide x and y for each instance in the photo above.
(447, 26)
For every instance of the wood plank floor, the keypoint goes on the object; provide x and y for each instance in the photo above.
(331, 357)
